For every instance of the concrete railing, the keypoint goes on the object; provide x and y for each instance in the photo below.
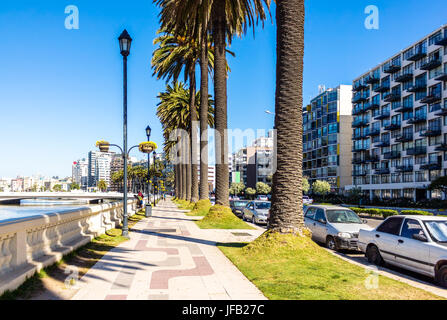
(27, 245)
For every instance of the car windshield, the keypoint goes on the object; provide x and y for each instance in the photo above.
(342, 216)
(263, 205)
(438, 230)
(240, 203)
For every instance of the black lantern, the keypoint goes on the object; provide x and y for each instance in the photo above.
(125, 42)
(148, 132)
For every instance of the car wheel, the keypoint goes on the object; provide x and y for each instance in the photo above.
(441, 276)
(373, 255)
(243, 217)
(253, 220)
(331, 244)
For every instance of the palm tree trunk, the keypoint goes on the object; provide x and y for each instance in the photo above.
(194, 118)
(188, 165)
(220, 96)
(176, 181)
(286, 215)
(204, 116)
(184, 168)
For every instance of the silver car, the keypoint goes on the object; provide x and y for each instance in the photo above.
(337, 227)
(416, 243)
(256, 212)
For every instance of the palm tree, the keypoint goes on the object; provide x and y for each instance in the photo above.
(174, 113)
(224, 18)
(286, 213)
(177, 53)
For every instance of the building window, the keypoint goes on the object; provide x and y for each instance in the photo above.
(408, 193)
(421, 176)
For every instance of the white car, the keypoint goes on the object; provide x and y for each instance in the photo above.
(262, 198)
(307, 200)
(416, 243)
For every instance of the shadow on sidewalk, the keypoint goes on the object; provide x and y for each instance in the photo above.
(177, 237)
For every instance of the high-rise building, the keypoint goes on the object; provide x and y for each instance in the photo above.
(400, 131)
(99, 167)
(327, 138)
(79, 170)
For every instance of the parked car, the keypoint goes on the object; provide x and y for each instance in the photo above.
(307, 200)
(337, 227)
(213, 200)
(256, 212)
(262, 198)
(415, 243)
(237, 206)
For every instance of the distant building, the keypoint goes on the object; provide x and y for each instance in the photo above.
(327, 138)
(99, 167)
(80, 173)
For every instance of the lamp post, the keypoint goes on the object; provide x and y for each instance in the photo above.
(154, 153)
(125, 41)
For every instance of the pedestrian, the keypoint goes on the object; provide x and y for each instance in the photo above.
(140, 197)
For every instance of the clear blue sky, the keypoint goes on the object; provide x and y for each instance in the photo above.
(61, 90)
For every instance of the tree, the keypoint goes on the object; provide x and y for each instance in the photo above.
(75, 186)
(173, 110)
(224, 19)
(102, 185)
(236, 188)
(57, 188)
(286, 214)
(439, 184)
(321, 187)
(250, 192)
(306, 185)
(263, 188)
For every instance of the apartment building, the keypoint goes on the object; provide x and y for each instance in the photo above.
(327, 138)
(399, 127)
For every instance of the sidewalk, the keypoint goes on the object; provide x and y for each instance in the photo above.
(169, 257)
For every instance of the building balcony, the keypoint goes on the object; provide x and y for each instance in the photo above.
(358, 110)
(392, 68)
(431, 63)
(360, 173)
(382, 116)
(360, 123)
(441, 112)
(393, 126)
(432, 98)
(402, 77)
(404, 138)
(417, 119)
(431, 132)
(358, 149)
(416, 55)
(371, 79)
(416, 151)
(442, 77)
(391, 155)
(382, 144)
(359, 136)
(405, 168)
(392, 97)
(359, 86)
(373, 159)
(420, 86)
(442, 40)
(372, 106)
(359, 98)
(404, 108)
(374, 132)
(434, 165)
(382, 171)
(441, 147)
(357, 161)
(382, 88)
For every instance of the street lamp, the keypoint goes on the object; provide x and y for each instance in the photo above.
(148, 134)
(125, 41)
(154, 154)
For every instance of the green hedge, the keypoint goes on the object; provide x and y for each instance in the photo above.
(385, 213)
(416, 212)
